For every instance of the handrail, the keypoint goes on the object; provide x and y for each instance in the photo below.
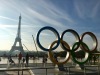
(72, 66)
(14, 69)
(98, 66)
(46, 68)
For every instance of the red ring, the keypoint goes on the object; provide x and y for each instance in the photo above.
(95, 44)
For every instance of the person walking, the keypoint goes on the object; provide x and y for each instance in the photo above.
(27, 59)
(60, 66)
(94, 59)
(44, 60)
(19, 57)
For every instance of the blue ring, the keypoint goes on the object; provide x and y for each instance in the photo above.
(53, 30)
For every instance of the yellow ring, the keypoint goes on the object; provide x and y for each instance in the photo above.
(52, 56)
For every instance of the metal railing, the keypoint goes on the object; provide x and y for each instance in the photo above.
(14, 69)
(69, 67)
(98, 68)
(46, 69)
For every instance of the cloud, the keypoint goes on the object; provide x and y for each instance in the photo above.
(16, 26)
(87, 9)
(60, 13)
(79, 10)
(95, 9)
(44, 18)
(55, 14)
(8, 18)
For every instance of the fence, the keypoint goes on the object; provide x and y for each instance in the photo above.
(46, 69)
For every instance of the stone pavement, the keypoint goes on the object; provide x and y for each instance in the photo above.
(40, 69)
(48, 69)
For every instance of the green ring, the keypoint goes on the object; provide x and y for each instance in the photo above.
(73, 53)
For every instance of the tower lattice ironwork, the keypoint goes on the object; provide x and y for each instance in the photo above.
(18, 46)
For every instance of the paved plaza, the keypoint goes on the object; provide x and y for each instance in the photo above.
(37, 68)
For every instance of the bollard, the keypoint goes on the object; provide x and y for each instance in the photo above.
(98, 70)
(84, 71)
(46, 71)
(18, 72)
(68, 70)
(22, 71)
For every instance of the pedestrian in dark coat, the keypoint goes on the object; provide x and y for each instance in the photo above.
(27, 59)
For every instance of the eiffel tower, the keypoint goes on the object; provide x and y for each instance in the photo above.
(18, 40)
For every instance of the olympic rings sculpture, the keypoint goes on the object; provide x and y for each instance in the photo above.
(70, 50)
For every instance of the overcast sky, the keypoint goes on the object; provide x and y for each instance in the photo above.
(80, 15)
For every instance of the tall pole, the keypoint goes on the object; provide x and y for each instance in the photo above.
(35, 46)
